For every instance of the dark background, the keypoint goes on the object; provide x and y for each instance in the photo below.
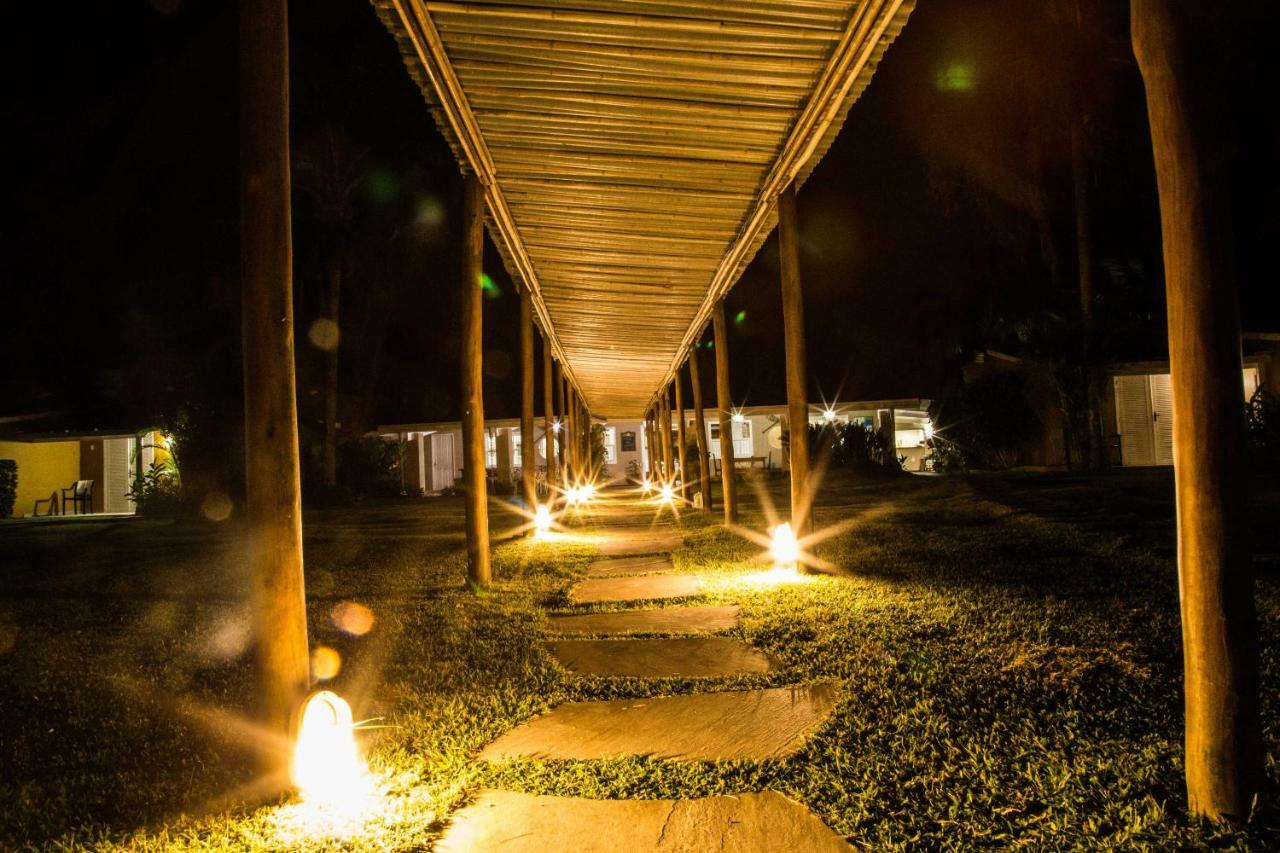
(920, 244)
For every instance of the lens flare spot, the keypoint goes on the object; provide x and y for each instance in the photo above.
(352, 618)
(326, 663)
(216, 506)
(323, 334)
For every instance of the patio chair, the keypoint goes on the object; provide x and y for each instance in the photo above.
(50, 502)
(79, 495)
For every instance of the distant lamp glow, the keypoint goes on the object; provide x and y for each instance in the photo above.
(587, 492)
(668, 493)
(786, 550)
(555, 427)
(646, 486)
(828, 415)
(572, 496)
(928, 429)
(737, 417)
(542, 521)
(327, 769)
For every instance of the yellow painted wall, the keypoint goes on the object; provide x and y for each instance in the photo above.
(43, 467)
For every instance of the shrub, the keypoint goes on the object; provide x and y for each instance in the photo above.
(8, 486)
(988, 421)
(158, 490)
(367, 466)
(853, 445)
(1262, 423)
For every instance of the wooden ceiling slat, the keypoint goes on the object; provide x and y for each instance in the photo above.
(827, 15)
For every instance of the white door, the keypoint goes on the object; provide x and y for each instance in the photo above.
(1133, 417)
(442, 468)
(1162, 417)
(116, 471)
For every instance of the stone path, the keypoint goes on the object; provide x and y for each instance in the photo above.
(753, 725)
(528, 823)
(666, 657)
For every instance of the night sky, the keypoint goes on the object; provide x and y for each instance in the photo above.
(119, 249)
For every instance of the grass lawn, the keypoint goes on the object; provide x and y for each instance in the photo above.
(1008, 646)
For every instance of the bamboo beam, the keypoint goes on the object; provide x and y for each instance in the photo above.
(668, 467)
(796, 369)
(273, 493)
(548, 416)
(728, 482)
(1224, 750)
(474, 484)
(562, 464)
(700, 430)
(528, 463)
(680, 441)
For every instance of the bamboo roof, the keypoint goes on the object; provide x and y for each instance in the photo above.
(632, 151)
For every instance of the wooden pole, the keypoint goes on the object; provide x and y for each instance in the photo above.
(797, 371)
(528, 463)
(562, 465)
(548, 414)
(700, 430)
(664, 412)
(571, 427)
(273, 493)
(648, 446)
(473, 466)
(1219, 631)
(680, 452)
(728, 484)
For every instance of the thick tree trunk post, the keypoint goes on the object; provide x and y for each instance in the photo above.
(797, 369)
(1219, 631)
(728, 482)
(571, 431)
(700, 431)
(273, 502)
(887, 427)
(528, 462)
(649, 449)
(1084, 275)
(473, 465)
(680, 440)
(548, 414)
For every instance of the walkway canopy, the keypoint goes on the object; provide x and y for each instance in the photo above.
(632, 151)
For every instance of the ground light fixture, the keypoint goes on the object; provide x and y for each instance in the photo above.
(668, 493)
(327, 769)
(542, 521)
(646, 486)
(786, 550)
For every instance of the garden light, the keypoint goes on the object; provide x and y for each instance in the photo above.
(928, 429)
(829, 415)
(668, 493)
(542, 521)
(327, 769)
(786, 550)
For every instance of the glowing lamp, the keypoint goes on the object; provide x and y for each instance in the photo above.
(326, 766)
(646, 485)
(829, 415)
(555, 427)
(737, 417)
(668, 493)
(587, 492)
(928, 429)
(572, 495)
(786, 550)
(542, 521)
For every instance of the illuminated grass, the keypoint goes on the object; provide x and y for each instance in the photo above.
(1008, 649)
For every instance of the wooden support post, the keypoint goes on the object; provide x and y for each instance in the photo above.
(548, 415)
(528, 463)
(648, 446)
(700, 430)
(1224, 755)
(562, 464)
(472, 310)
(571, 431)
(273, 493)
(664, 412)
(728, 482)
(680, 439)
(797, 370)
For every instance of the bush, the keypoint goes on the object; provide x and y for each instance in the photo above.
(853, 445)
(1262, 423)
(8, 486)
(158, 490)
(367, 466)
(985, 423)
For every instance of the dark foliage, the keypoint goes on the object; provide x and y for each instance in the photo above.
(8, 486)
(984, 423)
(853, 445)
(1262, 421)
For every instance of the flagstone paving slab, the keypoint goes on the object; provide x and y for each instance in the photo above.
(628, 544)
(531, 823)
(668, 620)
(638, 588)
(667, 657)
(748, 724)
(622, 566)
